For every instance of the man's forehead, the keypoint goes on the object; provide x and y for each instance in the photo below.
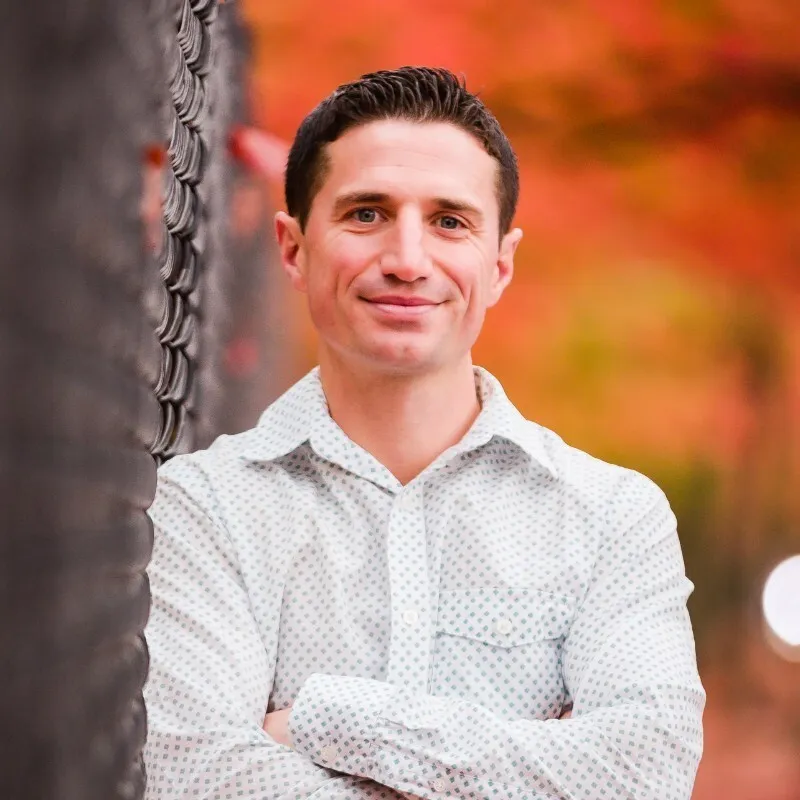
(396, 132)
(396, 155)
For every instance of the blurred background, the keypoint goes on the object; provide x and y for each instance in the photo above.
(655, 315)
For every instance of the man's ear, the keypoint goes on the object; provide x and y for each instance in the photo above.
(504, 269)
(291, 244)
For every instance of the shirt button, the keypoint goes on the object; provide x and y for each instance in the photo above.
(438, 785)
(410, 617)
(406, 500)
(329, 753)
(503, 627)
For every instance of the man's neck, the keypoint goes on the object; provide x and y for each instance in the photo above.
(405, 422)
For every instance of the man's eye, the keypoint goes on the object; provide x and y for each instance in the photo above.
(450, 223)
(365, 215)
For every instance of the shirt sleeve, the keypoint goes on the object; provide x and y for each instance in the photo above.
(628, 663)
(207, 690)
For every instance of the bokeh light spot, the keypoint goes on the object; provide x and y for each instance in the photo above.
(781, 601)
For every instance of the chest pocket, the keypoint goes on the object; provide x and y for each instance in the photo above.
(501, 648)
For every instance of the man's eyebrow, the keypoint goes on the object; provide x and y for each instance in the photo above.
(381, 198)
(358, 198)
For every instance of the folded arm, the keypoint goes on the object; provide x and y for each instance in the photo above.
(629, 665)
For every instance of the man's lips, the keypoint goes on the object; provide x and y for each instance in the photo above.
(400, 300)
(401, 308)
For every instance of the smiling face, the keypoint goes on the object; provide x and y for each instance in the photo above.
(402, 254)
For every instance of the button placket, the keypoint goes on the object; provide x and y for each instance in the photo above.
(409, 648)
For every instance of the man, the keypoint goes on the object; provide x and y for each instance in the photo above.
(395, 585)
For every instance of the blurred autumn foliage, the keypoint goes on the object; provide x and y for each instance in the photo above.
(655, 315)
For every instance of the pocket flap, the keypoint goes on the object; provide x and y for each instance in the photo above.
(505, 616)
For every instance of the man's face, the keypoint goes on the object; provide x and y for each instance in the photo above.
(401, 255)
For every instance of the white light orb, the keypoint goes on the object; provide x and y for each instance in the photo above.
(781, 602)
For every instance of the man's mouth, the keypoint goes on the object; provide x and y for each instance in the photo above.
(400, 300)
(401, 306)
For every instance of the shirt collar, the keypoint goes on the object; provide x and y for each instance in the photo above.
(499, 417)
(294, 417)
(289, 421)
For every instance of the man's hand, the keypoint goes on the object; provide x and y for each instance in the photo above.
(276, 726)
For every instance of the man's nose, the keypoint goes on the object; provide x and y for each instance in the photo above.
(405, 255)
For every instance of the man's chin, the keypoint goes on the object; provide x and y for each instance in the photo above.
(404, 362)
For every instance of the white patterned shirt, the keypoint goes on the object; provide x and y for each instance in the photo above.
(428, 635)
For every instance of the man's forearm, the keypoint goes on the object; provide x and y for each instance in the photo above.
(229, 765)
(428, 746)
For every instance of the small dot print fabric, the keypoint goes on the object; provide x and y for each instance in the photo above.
(428, 637)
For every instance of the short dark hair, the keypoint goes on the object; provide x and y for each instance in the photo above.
(417, 94)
